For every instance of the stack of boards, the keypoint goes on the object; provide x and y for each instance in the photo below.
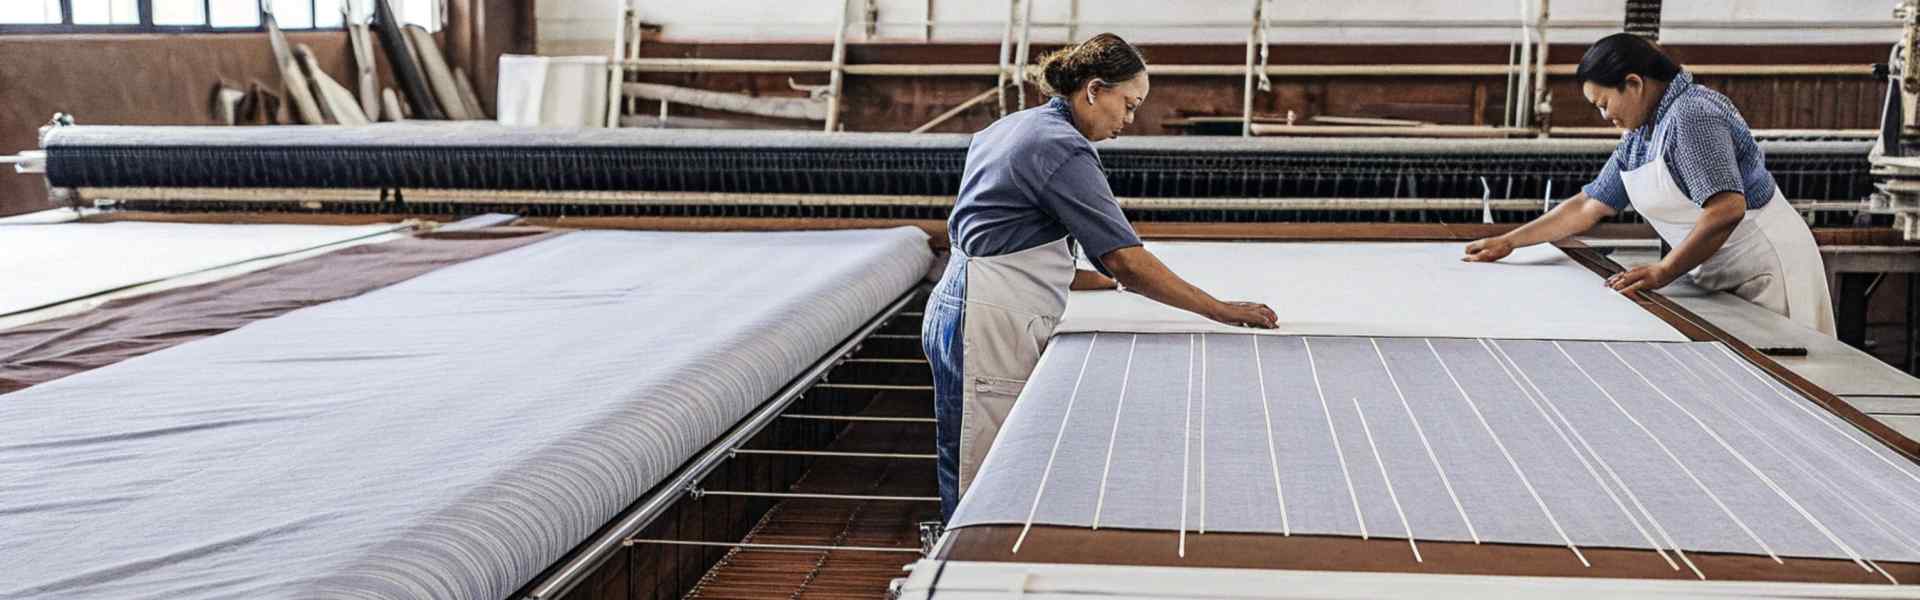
(429, 89)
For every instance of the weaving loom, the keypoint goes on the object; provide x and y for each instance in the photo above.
(482, 167)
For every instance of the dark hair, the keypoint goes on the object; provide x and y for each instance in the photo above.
(1609, 61)
(1105, 57)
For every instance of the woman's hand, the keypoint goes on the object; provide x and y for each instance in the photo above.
(1646, 277)
(1488, 249)
(1245, 314)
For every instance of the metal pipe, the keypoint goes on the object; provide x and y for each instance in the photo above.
(878, 387)
(771, 547)
(1543, 103)
(857, 418)
(1475, 131)
(1743, 25)
(836, 454)
(717, 65)
(617, 68)
(600, 549)
(1021, 58)
(1506, 116)
(700, 492)
(1246, 92)
(837, 77)
(1523, 92)
(1073, 21)
(1006, 49)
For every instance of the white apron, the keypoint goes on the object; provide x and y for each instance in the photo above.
(1013, 303)
(1770, 259)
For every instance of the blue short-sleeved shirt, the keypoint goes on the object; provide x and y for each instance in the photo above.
(1707, 146)
(1030, 179)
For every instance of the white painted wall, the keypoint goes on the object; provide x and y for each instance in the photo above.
(574, 25)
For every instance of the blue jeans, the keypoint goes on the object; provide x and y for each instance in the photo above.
(941, 340)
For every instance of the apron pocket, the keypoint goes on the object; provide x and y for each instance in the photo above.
(998, 387)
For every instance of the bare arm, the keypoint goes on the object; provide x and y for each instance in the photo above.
(1142, 272)
(1720, 216)
(1570, 218)
(1091, 280)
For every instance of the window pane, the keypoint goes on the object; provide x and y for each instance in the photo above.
(236, 13)
(293, 14)
(35, 12)
(106, 12)
(178, 12)
(326, 13)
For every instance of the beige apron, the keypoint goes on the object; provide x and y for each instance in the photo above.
(1013, 303)
(1770, 259)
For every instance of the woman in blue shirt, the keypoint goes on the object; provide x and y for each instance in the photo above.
(1032, 187)
(1690, 167)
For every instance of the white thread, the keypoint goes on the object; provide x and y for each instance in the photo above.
(1042, 490)
(1203, 434)
(1431, 456)
(1186, 449)
(1575, 449)
(1845, 496)
(1125, 376)
(1273, 455)
(1337, 452)
(1670, 455)
(1864, 510)
(1378, 460)
(1614, 475)
(1800, 405)
(1503, 452)
(1715, 435)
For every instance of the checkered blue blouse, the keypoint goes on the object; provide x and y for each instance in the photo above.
(1706, 143)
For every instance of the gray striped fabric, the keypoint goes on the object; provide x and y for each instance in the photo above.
(446, 437)
(1576, 444)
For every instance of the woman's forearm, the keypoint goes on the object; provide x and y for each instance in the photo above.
(1570, 218)
(1090, 280)
(1142, 272)
(1722, 214)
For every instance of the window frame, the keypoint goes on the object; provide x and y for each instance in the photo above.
(145, 9)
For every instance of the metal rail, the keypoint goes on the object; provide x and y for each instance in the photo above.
(857, 418)
(772, 547)
(696, 492)
(878, 386)
(829, 453)
(597, 551)
(418, 196)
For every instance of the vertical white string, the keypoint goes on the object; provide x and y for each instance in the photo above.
(1431, 455)
(1057, 436)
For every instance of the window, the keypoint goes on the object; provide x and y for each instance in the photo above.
(80, 16)
(30, 12)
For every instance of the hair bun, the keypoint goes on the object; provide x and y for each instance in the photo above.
(1105, 57)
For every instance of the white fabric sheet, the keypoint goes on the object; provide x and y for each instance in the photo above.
(447, 437)
(1384, 290)
(41, 265)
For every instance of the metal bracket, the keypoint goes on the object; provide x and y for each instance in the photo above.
(816, 92)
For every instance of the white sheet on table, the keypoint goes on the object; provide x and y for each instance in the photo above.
(1390, 289)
